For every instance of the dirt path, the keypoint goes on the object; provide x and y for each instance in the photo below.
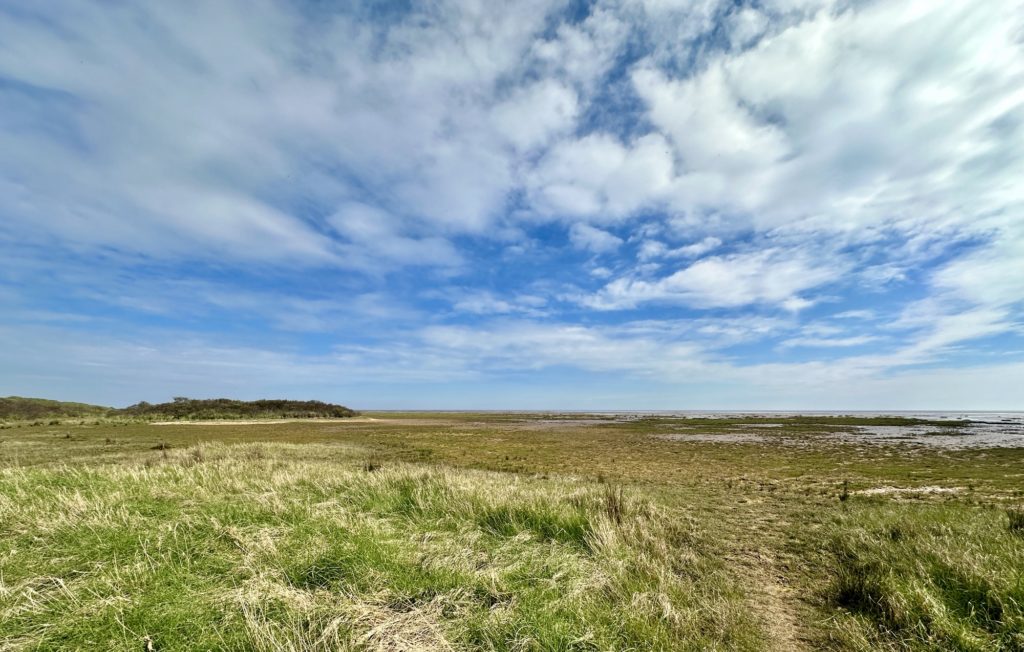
(776, 602)
(757, 556)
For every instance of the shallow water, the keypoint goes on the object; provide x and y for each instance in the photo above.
(1005, 434)
(985, 430)
(719, 437)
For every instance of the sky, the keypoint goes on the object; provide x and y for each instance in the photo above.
(658, 204)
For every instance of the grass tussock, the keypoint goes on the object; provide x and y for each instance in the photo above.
(1015, 515)
(256, 548)
(945, 576)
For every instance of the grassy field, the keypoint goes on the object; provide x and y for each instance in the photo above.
(504, 532)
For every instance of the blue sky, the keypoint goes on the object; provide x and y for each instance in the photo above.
(666, 204)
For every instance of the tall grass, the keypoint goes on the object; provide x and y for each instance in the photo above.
(914, 577)
(249, 548)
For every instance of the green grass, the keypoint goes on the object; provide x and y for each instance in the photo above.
(245, 547)
(502, 532)
(942, 577)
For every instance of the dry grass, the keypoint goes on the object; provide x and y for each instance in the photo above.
(242, 547)
(500, 532)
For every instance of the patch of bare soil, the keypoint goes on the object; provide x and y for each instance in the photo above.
(883, 491)
(767, 573)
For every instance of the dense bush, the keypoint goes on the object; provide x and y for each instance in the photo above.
(224, 408)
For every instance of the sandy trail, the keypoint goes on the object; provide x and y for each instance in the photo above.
(778, 604)
(261, 422)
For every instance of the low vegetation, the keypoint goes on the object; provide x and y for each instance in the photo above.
(16, 408)
(503, 532)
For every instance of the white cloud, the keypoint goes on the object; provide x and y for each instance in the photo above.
(650, 249)
(992, 276)
(946, 329)
(175, 136)
(666, 356)
(896, 118)
(180, 137)
(746, 25)
(829, 342)
(375, 235)
(529, 345)
(769, 276)
(486, 303)
(796, 304)
(856, 314)
(709, 243)
(584, 236)
(711, 130)
(531, 116)
(601, 178)
(582, 53)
